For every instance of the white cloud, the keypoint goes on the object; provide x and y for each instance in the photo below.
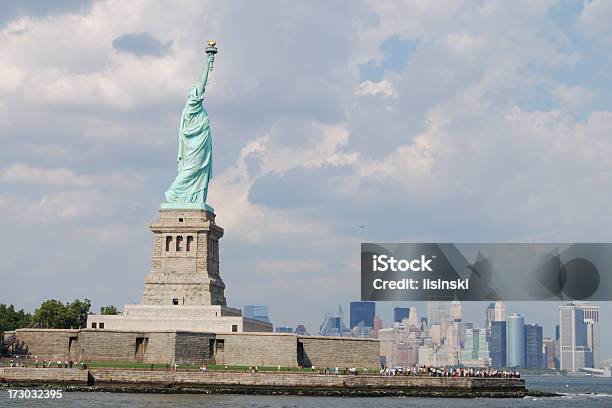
(464, 42)
(113, 235)
(20, 173)
(11, 78)
(253, 223)
(324, 143)
(383, 87)
(572, 96)
(56, 207)
(594, 19)
(290, 267)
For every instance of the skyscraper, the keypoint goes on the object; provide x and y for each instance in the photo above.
(574, 351)
(378, 324)
(533, 346)
(476, 348)
(453, 339)
(515, 340)
(489, 316)
(498, 344)
(591, 318)
(400, 313)
(362, 312)
(549, 353)
(455, 311)
(333, 324)
(435, 333)
(257, 313)
(413, 318)
(495, 312)
(500, 311)
(438, 311)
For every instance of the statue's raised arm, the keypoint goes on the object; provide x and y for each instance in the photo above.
(211, 50)
(190, 187)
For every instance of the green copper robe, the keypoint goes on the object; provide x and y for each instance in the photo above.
(190, 186)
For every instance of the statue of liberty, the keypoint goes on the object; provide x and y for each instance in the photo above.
(190, 187)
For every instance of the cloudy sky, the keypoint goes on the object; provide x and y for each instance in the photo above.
(471, 121)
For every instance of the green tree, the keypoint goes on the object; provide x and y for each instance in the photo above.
(108, 310)
(51, 314)
(11, 319)
(76, 313)
(22, 319)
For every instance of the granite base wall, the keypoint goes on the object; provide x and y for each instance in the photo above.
(341, 352)
(256, 349)
(194, 347)
(166, 347)
(43, 375)
(48, 343)
(261, 379)
(268, 383)
(108, 345)
(273, 379)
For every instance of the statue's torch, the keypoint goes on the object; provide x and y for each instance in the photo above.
(211, 50)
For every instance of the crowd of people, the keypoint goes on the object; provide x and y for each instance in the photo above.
(36, 363)
(431, 371)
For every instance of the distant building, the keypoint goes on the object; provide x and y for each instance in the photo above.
(498, 345)
(333, 324)
(400, 313)
(378, 324)
(495, 312)
(454, 311)
(413, 318)
(500, 311)
(515, 340)
(283, 329)
(549, 353)
(360, 331)
(435, 333)
(362, 312)
(438, 311)
(591, 318)
(433, 356)
(399, 345)
(300, 330)
(454, 337)
(257, 312)
(533, 346)
(574, 350)
(476, 348)
(407, 354)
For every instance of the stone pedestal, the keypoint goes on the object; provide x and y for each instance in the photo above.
(183, 291)
(185, 260)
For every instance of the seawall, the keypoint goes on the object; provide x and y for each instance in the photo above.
(130, 380)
